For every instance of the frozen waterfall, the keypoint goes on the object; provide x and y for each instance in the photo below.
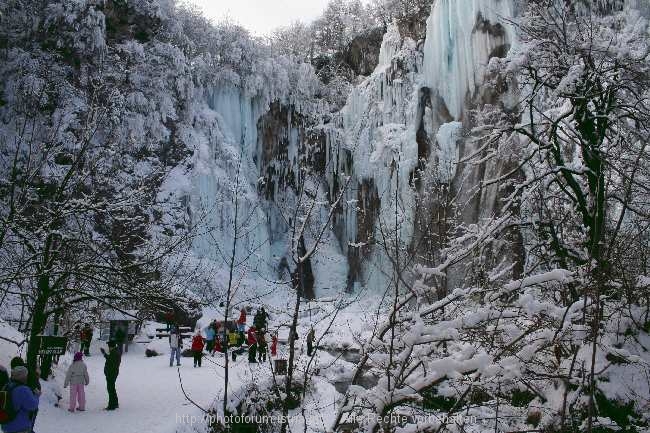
(461, 38)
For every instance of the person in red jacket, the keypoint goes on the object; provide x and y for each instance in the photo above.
(252, 344)
(274, 344)
(241, 322)
(197, 347)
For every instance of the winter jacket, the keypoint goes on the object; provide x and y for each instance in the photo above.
(112, 365)
(233, 339)
(77, 374)
(274, 345)
(120, 336)
(260, 320)
(25, 404)
(87, 334)
(197, 343)
(252, 338)
(175, 341)
(209, 333)
(242, 317)
(261, 340)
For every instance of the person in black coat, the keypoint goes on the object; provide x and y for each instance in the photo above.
(111, 371)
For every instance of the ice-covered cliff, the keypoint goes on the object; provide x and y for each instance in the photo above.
(400, 136)
(406, 127)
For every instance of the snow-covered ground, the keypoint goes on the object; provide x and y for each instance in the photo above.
(150, 394)
(149, 391)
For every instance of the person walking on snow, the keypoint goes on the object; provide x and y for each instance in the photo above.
(274, 344)
(311, 337)
(241, 322)
(175, 346)
(24, 402)
(111, 371)
(210, 335)
(252, 344)
(77, 377)
(197, 347)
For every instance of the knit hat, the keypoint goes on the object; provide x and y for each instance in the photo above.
(112, 343)
(78, 356)
(19, 374)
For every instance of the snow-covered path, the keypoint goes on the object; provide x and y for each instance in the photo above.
(149, 393)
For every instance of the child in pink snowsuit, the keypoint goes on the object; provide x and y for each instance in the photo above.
(77, 378)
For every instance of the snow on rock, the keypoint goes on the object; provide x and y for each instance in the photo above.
(9, 342)
(390, 46)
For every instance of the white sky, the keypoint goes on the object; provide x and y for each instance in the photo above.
(260, 17)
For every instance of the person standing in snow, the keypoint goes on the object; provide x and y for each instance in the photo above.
(210, 334)
(311, 337)
(77, 377)
(111, 371)
(261, 346)
(260, 320)
(241, 322)
(120, 339)
(252, 344)
(24, 402)
(197, 348)
(86, 339)
(217, 347)
(274, 344)
(33, 382)
(175, 346)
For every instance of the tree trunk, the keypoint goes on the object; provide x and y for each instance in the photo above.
(39, 319)
(292, 349)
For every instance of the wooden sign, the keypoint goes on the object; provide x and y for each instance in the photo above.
(281, 367)
(50, 345)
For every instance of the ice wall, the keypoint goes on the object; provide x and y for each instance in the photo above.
(223, 171)
(409, 116)
(462, 35)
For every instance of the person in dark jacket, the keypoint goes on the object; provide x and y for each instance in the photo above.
(261, 319)
(86, 339)
(4, 376)
(111, 371)
(120, 339)
(261, 346)
(311, 337)
(24, 401)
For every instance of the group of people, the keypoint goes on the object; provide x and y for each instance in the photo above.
(77, 378)
(219, 337)
(20, 398)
